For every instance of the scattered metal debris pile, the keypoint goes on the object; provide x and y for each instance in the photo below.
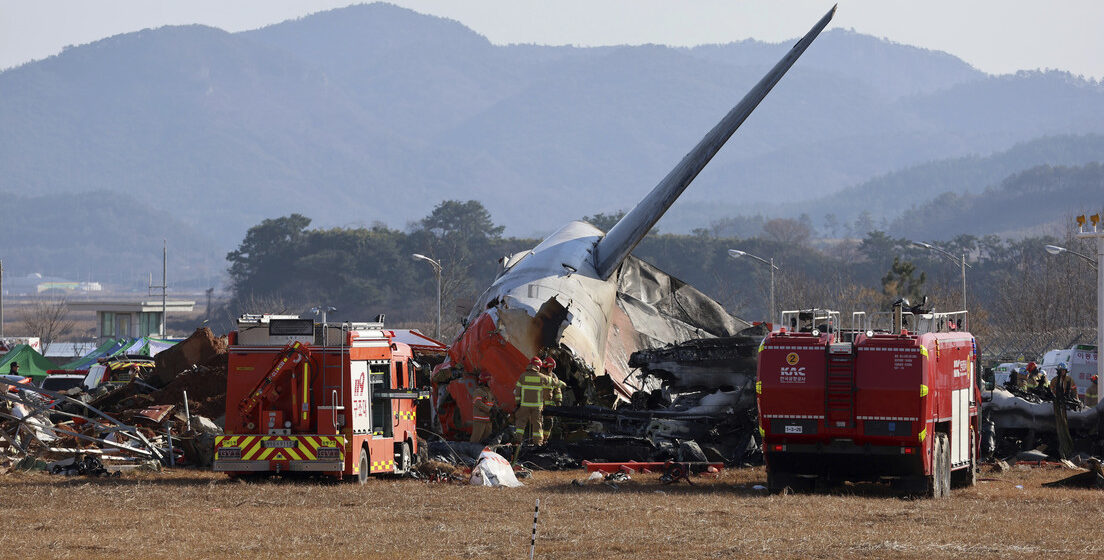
(1015, 422)
(695, 401)
(142, 423)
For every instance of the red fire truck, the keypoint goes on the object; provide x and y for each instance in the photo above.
(894, 405)
(317, 398)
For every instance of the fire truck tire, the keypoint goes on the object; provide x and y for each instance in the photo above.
(405, 459)
(365, 467)
(939, 481)
(773, 485)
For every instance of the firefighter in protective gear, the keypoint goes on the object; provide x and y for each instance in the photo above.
(1092, 392)
(483, 403)
(529, 394)
(1027, 380)
(1062, 387)
(553, 391)
(1035, 374)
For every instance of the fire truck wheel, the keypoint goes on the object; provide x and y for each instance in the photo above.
(939, 482)
(406, 459)
(362, 476)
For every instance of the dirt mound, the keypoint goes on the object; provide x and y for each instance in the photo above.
(206, 387)
(202, 347)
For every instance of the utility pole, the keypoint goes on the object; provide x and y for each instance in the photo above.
(1097, 233)
(437, 269)
(736, 253)
(164, 286)
(961, 262)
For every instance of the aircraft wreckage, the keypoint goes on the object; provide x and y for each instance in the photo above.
(582, 298)
(1017, 421)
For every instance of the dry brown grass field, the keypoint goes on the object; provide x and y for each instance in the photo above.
(192, 514)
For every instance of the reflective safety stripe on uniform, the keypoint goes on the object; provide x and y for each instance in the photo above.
(478, 414)
(521, 432)
(532, 388)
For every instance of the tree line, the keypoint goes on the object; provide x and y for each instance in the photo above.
(282, 265)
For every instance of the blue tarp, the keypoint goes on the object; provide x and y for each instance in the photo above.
(143, 346)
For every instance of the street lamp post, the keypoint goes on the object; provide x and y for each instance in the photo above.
(436, 269)
(957, 260)
(1056, 250)
(1098, 234)
(736, 253)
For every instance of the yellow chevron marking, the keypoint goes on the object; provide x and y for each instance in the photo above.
(306, 449)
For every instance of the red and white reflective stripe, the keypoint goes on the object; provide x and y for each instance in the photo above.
(483, 418)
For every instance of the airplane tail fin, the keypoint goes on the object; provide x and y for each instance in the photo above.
(623, 237)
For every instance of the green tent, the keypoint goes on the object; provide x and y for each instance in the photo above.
(110, 347)
(31, 363)
(144, 346)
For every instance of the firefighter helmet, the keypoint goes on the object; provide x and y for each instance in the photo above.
(1031, 367)
(536, 362)
(550, 363)
(1062, 367)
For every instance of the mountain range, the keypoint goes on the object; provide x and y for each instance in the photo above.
(375, 113)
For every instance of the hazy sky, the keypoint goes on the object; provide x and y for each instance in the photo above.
(996, 36)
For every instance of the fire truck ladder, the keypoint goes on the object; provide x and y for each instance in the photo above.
(840, 389)
(283, 364)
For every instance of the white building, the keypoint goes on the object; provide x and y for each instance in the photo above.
(117, 319)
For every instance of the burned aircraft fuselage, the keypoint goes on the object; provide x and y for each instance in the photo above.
(527, 310)
(581, 297)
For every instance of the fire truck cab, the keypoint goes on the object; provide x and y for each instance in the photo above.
(898, 404)
(333, 399)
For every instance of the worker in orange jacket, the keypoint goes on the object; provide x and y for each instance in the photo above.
(529, 394)
(483, 402)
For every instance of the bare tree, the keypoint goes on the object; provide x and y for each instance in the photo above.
(48, 320)
(457, 296)
(832, 288)
(787, 231)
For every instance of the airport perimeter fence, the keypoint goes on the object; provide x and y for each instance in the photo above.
(1000, 345)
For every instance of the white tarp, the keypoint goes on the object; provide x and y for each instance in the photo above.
(493, 469)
